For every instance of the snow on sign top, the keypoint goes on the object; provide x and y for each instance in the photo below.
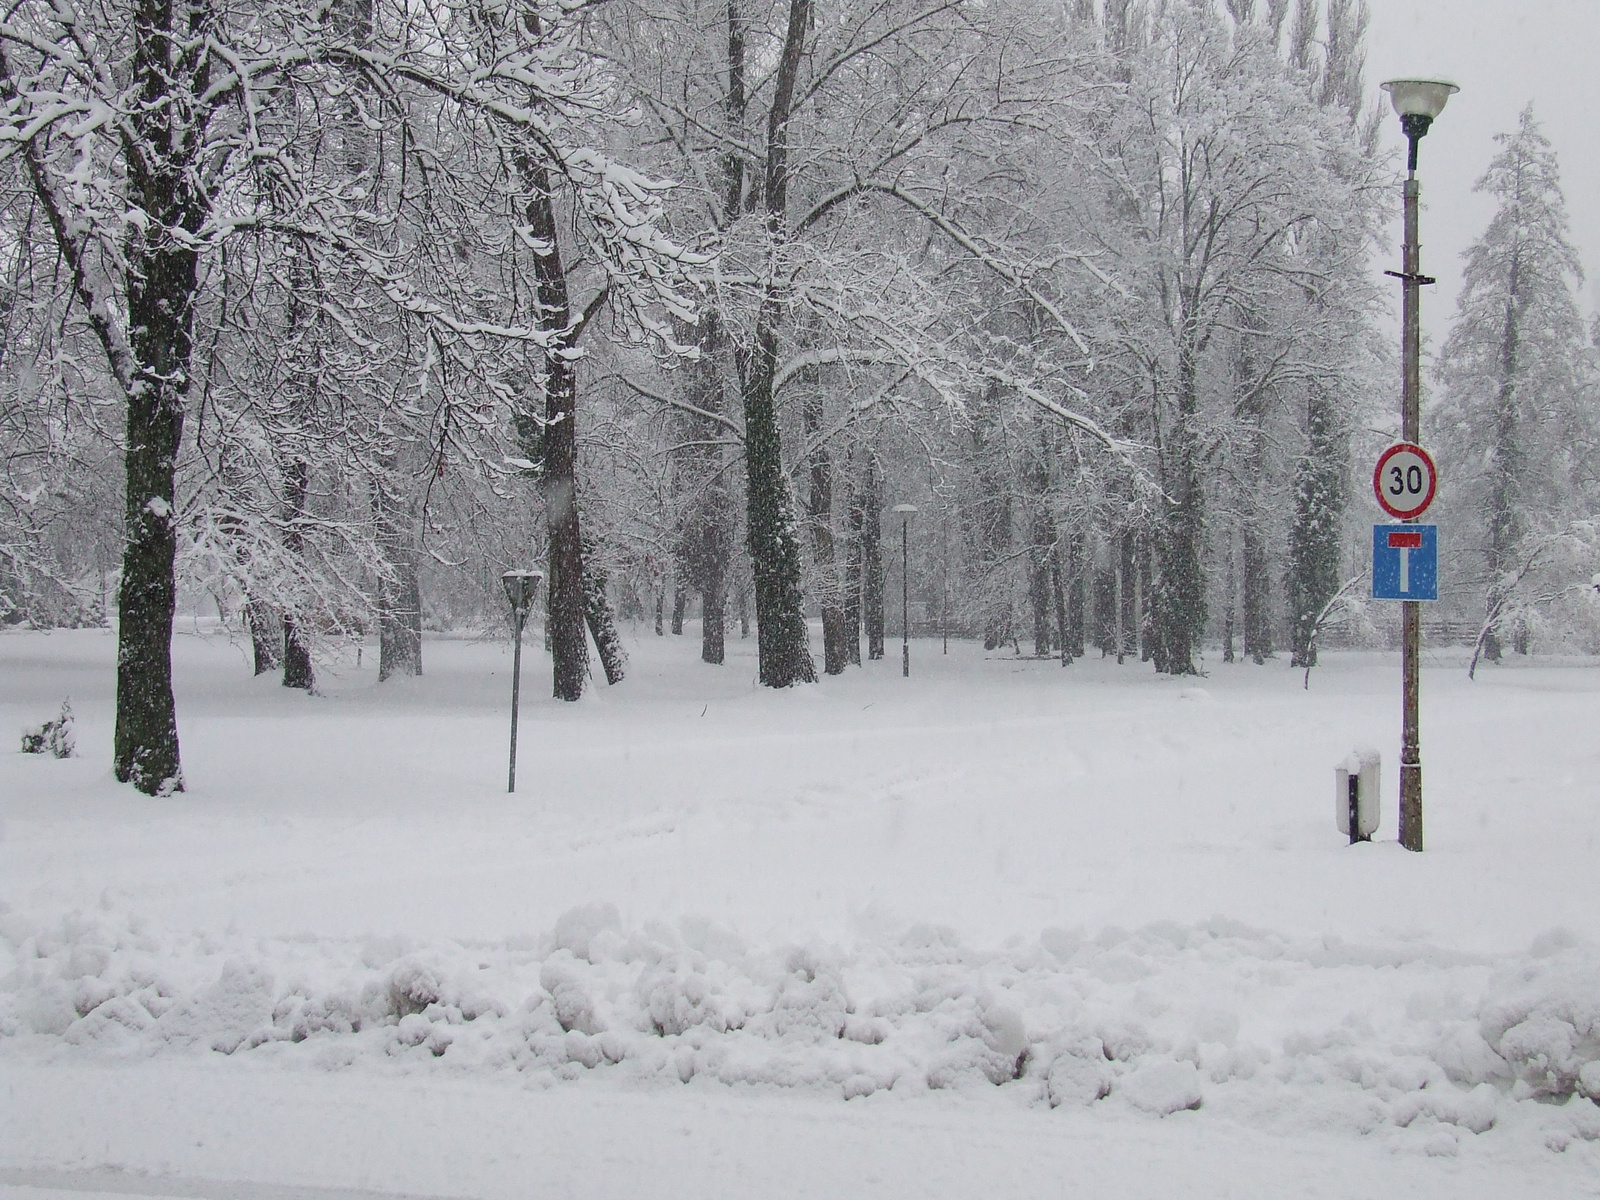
(1405, 480)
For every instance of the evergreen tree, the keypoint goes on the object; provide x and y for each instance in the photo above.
(1512, 366)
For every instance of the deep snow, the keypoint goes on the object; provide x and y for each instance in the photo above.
(1000, 925)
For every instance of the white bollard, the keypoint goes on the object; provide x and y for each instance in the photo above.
(1356, 791)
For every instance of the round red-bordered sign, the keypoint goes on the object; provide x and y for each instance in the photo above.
(1405, 480)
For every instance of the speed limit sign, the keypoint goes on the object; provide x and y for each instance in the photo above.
(1405, 480)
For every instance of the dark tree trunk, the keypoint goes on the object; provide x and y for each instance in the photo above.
(266, 636)
(1042, 535)
(297, 668)
(706, 542)
(1128, 573)
(1179, 591)
(714, 612)
(1105, 603)
(1077, 597)
(1255, 580)
(661, 608)
(819, 508)
(994, 532)
(400, 592)
(161, 290)
(295, 472)
(569, 650)
(161, 282)
(680, 604)
(1147, 638)
(872, 558)
(298, 671)
(785, 655)
(1059, 596)
(853, 577)
(602, 624)
(1228, 604)
(1039, 599)
(1255, 609)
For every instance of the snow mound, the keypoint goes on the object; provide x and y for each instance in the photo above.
(1164, 1020)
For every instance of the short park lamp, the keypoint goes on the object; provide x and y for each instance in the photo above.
(906, 511)
(520, 589)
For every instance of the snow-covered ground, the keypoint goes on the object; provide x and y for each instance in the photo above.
(1000, 927)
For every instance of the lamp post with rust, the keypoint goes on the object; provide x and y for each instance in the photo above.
(1417, 102)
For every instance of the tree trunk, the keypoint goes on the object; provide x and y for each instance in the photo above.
(400, 592)
(1128, 573)
(706, 543)
(1179, 592)
(1039, 596)
(161, 291)
(602, 624)
(1228, 604)
(266, 636)
(714, 608)
(161, 280)
(855, 520)
(819, 508)
(1058, 595)
(872, 558)
(1255, 610)
(569, 650)
(1255, 592)
(294, 468)
(1105, 608)
(783, 649)
(680, 604)
(1077, 597)
(297, 669)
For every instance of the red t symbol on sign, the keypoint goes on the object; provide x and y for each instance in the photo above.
(1405, 541)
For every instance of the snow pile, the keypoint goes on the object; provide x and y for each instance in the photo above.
(1215, 1017)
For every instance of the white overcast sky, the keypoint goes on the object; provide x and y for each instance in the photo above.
(1502, 53)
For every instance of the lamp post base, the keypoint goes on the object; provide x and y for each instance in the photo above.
(1411, 805)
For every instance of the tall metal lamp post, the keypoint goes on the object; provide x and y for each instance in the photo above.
(1418, 102)
(520, 588)
(906, 511)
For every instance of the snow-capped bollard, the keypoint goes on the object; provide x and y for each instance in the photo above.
(1357, 781)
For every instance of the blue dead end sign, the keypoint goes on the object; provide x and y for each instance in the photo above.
(1405, 562)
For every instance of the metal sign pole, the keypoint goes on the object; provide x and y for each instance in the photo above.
(1411, 610)
(1417, 102)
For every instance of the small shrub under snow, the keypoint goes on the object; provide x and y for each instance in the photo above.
(55, 737)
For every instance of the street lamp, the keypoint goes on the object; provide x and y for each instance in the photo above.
(906, 511)
(520, 587)
(1418, 102)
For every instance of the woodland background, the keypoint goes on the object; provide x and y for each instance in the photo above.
(326, 314)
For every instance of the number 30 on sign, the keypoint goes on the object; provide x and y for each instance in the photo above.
(1405, 481)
